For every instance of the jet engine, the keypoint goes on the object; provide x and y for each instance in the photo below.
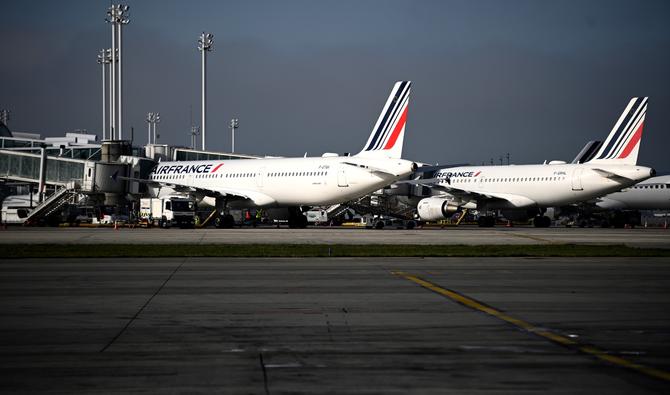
(436, 208)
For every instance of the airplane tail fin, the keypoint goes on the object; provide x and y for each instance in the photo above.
(387, 136)
(623, 143)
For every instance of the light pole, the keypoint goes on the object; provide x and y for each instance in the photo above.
(111, 88)
(204, 45)
(157, 119)
(234, 124)
(102, 60)
(4, 116)
(111, 12)
(117, 16)
(150, 118)
(194, 132)
(122, 20)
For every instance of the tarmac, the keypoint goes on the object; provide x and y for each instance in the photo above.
(334, 325)
(468, 235)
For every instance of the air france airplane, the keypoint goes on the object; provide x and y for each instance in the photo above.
(652, 194)
(297, 182)
(530, 189)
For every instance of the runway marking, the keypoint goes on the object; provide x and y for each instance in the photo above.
(525, 236)
(540, 331)
(137, 314)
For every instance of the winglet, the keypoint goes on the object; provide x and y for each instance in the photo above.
(386, 138)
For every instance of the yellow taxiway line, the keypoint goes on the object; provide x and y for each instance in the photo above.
(540, 331)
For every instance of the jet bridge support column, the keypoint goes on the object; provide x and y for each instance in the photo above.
(105, 171)
(43, 174)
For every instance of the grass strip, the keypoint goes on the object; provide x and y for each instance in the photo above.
(320, 250)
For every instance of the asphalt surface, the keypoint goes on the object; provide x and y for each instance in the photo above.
(469, 235)
(345, 325)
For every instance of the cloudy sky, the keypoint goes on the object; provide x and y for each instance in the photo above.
(535, 79)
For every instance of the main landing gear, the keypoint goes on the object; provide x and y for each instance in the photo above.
(487, 221)
(296, 219)
(542, 221)
(224, 221)
(223, 218)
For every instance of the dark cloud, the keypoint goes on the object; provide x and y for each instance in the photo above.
(533, 79)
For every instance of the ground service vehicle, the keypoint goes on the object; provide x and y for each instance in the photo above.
(168, 211)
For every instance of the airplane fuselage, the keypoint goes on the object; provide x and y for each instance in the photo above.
(284, 182)
(652, 194)
(542, 185)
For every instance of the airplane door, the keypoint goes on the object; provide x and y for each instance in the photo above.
(342, 177)
(577, 180)
(260, 177)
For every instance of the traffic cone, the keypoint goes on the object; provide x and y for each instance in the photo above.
(665, 224)
(509, 223)
(116, 227)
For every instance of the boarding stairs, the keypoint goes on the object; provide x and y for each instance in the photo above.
(335, 210)
(375, 205)
(61, 197)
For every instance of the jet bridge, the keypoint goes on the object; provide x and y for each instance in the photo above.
(26, 167)
(68, 177)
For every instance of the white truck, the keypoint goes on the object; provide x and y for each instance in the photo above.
(16, 208)
(168, 211)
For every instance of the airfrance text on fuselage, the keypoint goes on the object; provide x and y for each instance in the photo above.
(450, 174)
(185, 169)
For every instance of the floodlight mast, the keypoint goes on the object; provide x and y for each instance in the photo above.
(157, 119)
(111, 88)
(4, 116)
(111, 12)
(117, 16)
(234, 124)
(204, 45)
(102, 60)
(122, 20)
(194, 132)
(150, 117)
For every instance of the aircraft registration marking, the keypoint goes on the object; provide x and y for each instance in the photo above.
(537, 330)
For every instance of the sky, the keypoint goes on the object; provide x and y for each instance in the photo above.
(535, 79)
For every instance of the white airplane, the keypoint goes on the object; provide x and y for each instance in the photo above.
(530, 189)
(652, 194)
(297, 182)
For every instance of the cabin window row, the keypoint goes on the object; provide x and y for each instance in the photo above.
(523, 179)
(298, 174)
(517, 179)
(243, 175)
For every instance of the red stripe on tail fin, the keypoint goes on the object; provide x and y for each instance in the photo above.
(633, 142)
(396, 131)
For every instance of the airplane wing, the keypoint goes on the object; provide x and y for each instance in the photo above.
(371, 168)
(427, 169)
(259, 199)
(471, 195)
(517, 201)
(426, 182)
